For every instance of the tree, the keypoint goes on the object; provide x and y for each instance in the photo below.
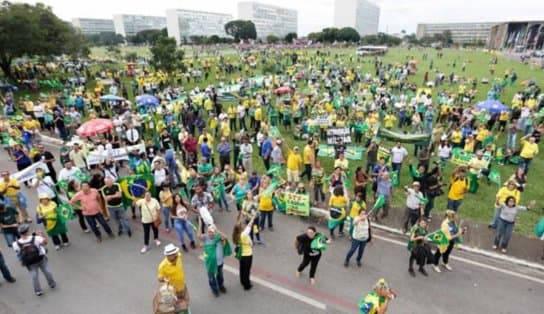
(33, 30)
(381, 39)
(348, 34)
(105, 39)
(148, 36)
(329, 34)
(272, 39)
(315, 36)
(290, 36)
(165, 56)
(241, 29)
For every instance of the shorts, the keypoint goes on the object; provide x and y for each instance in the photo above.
(293, 176)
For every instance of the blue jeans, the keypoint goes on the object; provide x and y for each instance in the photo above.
(356, 244)
(396, 167)
(10, 237)
(222, 201)
(166, 214)
(44, 267)
(429, 206)
(93, 219)
(495, 219)
(263, 216)
(119, 215)
(525, 163)
(183, 226)
(511, 140)
(454, 205)
(504, 233)
(216, 280)
(4, 269)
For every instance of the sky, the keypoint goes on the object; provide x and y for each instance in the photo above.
(313, 15)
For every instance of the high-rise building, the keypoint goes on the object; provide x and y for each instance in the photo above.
(269, 19)
(182, 24)
(461, 33)
(130, 25)
(362, 15)
(519, 35)
(93, 26)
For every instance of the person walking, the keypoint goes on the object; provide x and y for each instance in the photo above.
(420, 252)
(246, 152)
(9, 221)
(112, 195)
(414, 205)
(91, 208)
(452, 232)
(244, 250)
(458, 188)
(180, 216)
(337, 211)
(72, 188)
(377, 301)
(171, 271)
(30, 249)
(167, 203)
(310, 244)
(216, 248)
(55, 226)
(266, 206)
(5, 270)
(360, 237)
(508, 212)
(151, 219)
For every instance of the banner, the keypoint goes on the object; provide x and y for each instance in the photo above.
(338, 135)
(29, 172)
(323, 120)
(297, 204)
(384, 153)
(325, 151)
(403, 138)
(462, 158)
(274, 132)
(96, 157)
(354, 152)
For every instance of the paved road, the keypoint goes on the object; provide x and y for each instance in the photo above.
(113, 277)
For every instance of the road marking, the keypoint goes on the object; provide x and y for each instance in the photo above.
(279, 289)
(471, 262)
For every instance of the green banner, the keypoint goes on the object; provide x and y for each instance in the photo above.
(462, 158)
(354, 152)
(297, 204)
(325, 151)
(403, 138)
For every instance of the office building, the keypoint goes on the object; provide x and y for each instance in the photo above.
(182, 24)
(362, 15)
(130, 25)
(461, 33)
(93, 26)
(269, 19)
(517, 35)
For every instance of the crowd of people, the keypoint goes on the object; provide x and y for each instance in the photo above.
(206, 157)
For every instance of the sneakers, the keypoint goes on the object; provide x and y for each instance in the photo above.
(312, 281)
(412, 272)
(157, 242)
(184, 247)
(193, 246)
(448, 267)
(503, 251)
(222, 289)
(437, 269)
(119, 233)
(86, 230)
(66, 244)
(494, 247)
(423, 272)
(39, 293)
(129, 233)
(346, 263)
(359, 264)
(11, 280)
(57, 247)
(143, 250)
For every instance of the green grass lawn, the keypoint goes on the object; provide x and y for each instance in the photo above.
(477, 207)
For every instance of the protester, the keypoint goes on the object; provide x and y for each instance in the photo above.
(114, 202)
(55, 226)
(420, 251)
(310, 245)
(171, 271)
(452, 232)
(216, 248)
(10, 188)
(508, 212)
(378, 300)
(414, 205)
(91, 207)
(31, 251)
(151, 219)
(244, 250)
(180, 216)
(360, 237)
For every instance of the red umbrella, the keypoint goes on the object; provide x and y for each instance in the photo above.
(94, 127)
(282, 90)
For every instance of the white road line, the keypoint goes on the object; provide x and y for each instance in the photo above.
(284, 291)
(471, 262)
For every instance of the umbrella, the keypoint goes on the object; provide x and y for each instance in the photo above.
(108, 98)
(94, 127)
(282, 90)
(492, 106)
(148, 100)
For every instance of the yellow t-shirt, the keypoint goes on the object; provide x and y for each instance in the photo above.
(225, 129)
(458, 189)
(528, 150)
(389, 121)
(456, 137)
(246, 245)
(504, 192)
(258, 114)
(49, 214)
(231, 112)
(482, 134)
(265, 203)
(355, 208)
(338, 201)
(167, 199)
(469, 146)
(208, 105)
(308, 155)
(343, 164)
(293, 161)
(173, 272)
(9, 188)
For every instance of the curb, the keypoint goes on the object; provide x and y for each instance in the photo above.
(319, 212)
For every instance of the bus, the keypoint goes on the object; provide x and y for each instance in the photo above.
(371, 50)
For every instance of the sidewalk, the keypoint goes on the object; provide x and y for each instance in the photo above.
(478, 239)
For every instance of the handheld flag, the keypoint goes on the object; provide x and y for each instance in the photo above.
(65, 212)
(440, 239)
(319, 242)
(495, 176)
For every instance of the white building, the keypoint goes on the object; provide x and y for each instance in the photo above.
(130, 25)
(93, 26)
(182, 24)
(362, 15)
(269, 19)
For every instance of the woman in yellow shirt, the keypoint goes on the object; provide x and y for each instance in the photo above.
(244, 250)
(337, 211)
(456, 137)
(266, 207)
(54, 226)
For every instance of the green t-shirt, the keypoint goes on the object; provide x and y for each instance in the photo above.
(205, 168)
(8, 216)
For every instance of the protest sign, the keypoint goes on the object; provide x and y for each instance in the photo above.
(462, 158)
(354, 152)
(98, 156)
(29, 172)
(323, 120)
(338, 135)
(325, 151)
(297, 204)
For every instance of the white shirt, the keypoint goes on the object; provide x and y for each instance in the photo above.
(38, 241)
(444, 151)
(413, 200)
(241, 111)
(246, 150)
(68, 174)
(44, 186)
(398, 154)
(132, 135)
(160, 176)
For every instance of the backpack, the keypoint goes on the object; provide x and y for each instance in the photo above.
(29, 253)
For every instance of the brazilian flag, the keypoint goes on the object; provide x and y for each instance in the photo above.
(134, 187)
(440, 239)
(319, 242)
(65, 212)
(81, 176)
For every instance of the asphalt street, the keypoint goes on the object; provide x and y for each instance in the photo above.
(113, 277)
